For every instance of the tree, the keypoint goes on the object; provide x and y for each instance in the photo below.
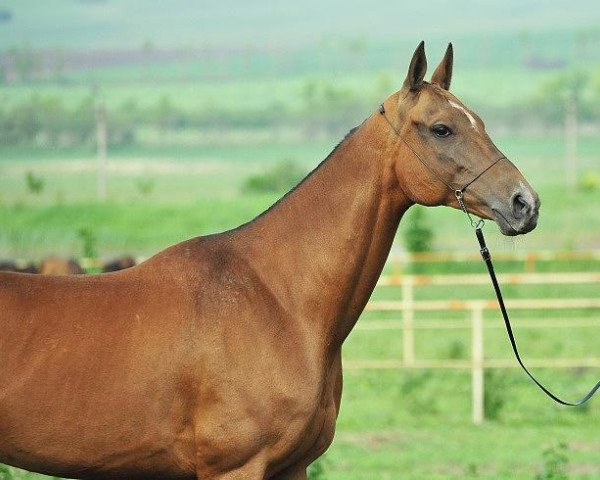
(562, 98)
(418, 236)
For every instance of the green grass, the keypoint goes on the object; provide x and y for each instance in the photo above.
(198, 190)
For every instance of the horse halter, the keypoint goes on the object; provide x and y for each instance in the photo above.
(487, 258)
(458, 192)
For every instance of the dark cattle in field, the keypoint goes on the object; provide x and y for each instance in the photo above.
(8, 266)
(11, 266)
(59, 266)
(118, 264)
(28, 268)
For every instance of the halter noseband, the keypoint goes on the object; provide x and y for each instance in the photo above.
(458, 192)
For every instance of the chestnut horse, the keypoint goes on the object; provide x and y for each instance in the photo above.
(220, 357)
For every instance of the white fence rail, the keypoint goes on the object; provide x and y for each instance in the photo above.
(407, 306)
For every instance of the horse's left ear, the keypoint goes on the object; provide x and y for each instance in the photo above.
(443, 73)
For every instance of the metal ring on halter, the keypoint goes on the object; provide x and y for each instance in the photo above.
(475, 224)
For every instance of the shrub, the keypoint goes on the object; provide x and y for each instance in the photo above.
(89, 242)
(281, 178)
(589, 182)
(494, 395)
(316, 471)
(145, 185)
(555, 463)
(457, 350)
(415, 394)
(418, 236)
(34, 183)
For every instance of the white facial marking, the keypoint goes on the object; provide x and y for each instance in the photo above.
(462, 109)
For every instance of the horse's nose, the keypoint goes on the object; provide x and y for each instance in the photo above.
(525, 205)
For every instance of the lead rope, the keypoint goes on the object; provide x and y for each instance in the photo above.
(487, 258)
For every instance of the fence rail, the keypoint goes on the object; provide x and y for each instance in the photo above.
(407, 306)
(530, 259)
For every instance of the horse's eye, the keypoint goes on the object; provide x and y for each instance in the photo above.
(441, 130)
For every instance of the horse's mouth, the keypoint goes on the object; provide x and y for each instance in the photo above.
(511, 226)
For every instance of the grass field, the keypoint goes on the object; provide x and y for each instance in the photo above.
(199, 190)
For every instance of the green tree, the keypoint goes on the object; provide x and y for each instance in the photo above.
(418, 236)
(34, 183)
(89, 242)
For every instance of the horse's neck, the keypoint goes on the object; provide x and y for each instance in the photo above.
(321, 249)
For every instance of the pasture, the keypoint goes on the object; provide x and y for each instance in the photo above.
(161, 195)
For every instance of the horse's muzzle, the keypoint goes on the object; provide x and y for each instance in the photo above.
(522, 214)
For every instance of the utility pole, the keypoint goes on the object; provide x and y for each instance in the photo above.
(101, 143)
(571, 128)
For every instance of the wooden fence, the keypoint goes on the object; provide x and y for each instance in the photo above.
(529, 259)
(407, 306)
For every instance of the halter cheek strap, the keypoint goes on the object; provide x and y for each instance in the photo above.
(458, 192)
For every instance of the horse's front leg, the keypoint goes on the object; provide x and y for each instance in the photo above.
(251, 470)
(293, 473)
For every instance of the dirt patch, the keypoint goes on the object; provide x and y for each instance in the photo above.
(374, 439)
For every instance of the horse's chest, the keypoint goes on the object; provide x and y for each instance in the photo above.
(282, 423)
(303, 433)
(309, 426)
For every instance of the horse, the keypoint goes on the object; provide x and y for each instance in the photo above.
(119, 263)
(12, 266)
(53, 265)
(220, 357)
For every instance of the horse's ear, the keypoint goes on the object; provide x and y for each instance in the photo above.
(417, 69)
(443, 73)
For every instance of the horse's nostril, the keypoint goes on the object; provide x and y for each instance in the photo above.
(520, 206)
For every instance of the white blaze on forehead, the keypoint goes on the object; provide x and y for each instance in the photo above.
(464, 110)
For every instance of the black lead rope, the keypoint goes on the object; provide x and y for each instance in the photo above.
(487, 258)
(485, 253)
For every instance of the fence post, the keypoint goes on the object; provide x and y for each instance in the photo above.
(477, 363)
(101, 149)
(408, 351)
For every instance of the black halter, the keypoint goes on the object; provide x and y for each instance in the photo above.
(487, 257)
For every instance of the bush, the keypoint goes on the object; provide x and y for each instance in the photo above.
(316, 471)
(418, 398)
(145, 185)
(555, 463)
(418, 236)
(281, 178)
(88, 239)
(457, 350)
(494, 395)
(34, 183)
(589, 182)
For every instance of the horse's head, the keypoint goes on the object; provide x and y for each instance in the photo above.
(445, 148)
